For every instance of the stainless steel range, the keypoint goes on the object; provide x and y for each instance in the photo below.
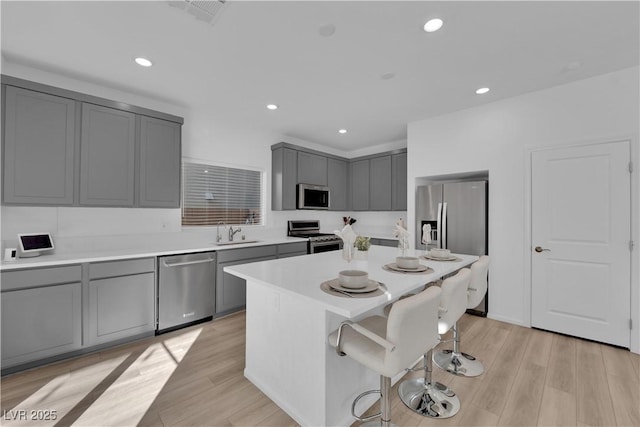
(318, 242)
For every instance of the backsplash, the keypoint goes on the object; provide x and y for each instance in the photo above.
(78, 227)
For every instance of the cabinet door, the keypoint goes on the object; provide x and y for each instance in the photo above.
(121, 307)
(380, 190)
(39, 135)
(284, 177)
(231, 291)
(41, 322)
(160, 159)
(337, 181)
(312, 169)
(360, 185)
(399, 182)
(107, 163)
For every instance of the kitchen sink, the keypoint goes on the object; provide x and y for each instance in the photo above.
(236, 242)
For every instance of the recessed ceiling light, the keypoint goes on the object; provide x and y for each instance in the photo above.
(342, 131)
(482, 90)
(433, 25)
(272, 107)
(327, 30)
(143, 62)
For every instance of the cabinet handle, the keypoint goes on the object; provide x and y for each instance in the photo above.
(179, 264)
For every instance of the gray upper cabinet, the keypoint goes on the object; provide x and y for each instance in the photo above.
(39, 141)
(159, 166)
(360, 185)
(107, 163)
(284, 176)
(399, 182)
(64, 148)
(312, 169)
(337, 181)
(376, 182)
(380, 186)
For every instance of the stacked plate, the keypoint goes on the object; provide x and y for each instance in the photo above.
(440, 255)
(354, 281)
(407, 264)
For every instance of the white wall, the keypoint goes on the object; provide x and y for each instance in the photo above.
(202, 138)
(497, 137)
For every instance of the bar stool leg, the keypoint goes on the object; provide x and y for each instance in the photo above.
(428, 398)
(456, 362)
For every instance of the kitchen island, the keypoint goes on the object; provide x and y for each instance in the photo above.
(289, 319)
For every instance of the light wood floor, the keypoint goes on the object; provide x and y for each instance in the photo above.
(194, 377)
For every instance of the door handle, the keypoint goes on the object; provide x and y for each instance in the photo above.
(541, 249)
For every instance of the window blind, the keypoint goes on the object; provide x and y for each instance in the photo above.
(216, 193)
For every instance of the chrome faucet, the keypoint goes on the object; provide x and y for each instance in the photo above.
(233, 232)
(218, 235)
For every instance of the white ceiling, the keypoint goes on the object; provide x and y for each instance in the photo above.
(271, 52)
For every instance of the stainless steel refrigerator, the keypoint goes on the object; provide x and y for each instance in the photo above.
(457, 215)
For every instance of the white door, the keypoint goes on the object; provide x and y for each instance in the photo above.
(581, 213)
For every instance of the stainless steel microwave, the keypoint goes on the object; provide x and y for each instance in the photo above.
(312, 197)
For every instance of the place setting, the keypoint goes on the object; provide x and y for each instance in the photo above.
(438, 254)
(353, 284)
(407, 265)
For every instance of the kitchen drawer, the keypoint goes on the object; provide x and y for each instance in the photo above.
(292, 248)
(121, 268)
(246, 253)
(12, 280)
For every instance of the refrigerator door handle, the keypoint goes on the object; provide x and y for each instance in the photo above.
(444, 226)
(439, 226)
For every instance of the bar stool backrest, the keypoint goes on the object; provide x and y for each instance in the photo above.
(412, 326)
(453, 302)
(478, 284)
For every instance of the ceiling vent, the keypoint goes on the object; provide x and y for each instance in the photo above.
(204, 10)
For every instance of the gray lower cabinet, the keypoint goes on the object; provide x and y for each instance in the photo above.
(399, 182)
(41, 313)
(337, 180)
(359, 172)
(231, 291)
(159, 165)
(385, 242)
(380, 184)
(107, 164)
(39, 145)
(287, 250)
(312, 169)
(121, 299)
(284, 177)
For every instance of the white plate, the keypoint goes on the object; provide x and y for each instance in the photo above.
(394, 266)
(371, 286)
(436, 258)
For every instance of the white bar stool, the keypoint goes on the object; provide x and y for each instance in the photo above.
(423, 395)
(454, 361)
(387, 345)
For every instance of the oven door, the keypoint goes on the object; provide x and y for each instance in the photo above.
(317, 247)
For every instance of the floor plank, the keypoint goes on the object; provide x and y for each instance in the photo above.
(194, 376)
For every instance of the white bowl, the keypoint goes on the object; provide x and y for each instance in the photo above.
(440, 253)
(353, 279)
(407, 262)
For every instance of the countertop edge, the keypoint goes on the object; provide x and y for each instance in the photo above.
(101, 256)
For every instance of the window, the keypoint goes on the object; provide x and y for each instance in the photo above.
(216, 193)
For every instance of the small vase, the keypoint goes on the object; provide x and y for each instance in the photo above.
(361, 255)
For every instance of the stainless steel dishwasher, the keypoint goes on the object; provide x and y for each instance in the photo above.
(186, 289)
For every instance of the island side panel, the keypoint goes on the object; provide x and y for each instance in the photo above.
(285, 352)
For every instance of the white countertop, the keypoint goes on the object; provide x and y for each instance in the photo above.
(302, 276)
(169, 244)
